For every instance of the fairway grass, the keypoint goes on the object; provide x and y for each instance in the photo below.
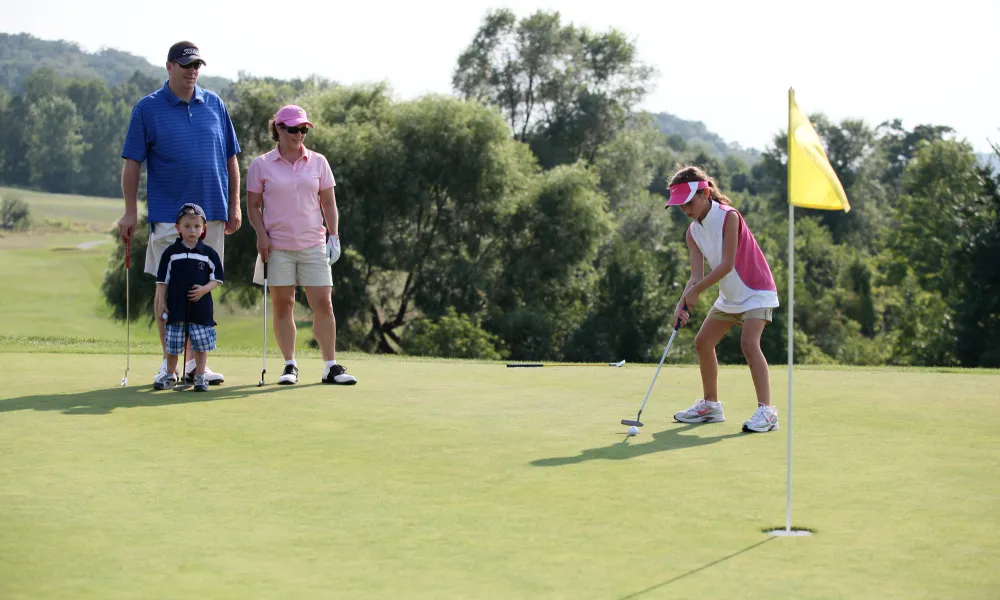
(445, 479)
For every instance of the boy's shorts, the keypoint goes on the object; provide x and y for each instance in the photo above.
(738, 318)
(164, 234)
(202, 338)
(308, 268)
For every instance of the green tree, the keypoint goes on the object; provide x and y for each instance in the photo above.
(451, 336)
(567, 90)
(548, 253)
(4, 124)
(55, 144)
(103, 129)
(424, 188)
(12, 144)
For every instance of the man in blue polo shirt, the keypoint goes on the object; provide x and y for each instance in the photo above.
(185, 136)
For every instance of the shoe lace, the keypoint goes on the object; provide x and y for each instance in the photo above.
(762, 413)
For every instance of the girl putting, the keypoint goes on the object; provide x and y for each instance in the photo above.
(747, 294)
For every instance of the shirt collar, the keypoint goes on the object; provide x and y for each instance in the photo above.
(199, 94)
(275, 155)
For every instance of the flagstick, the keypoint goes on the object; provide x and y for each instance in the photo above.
(791, 316)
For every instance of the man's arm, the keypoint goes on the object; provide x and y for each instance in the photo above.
(235, 215)
(130, 191)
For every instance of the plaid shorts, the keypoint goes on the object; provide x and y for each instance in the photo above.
(202, 338)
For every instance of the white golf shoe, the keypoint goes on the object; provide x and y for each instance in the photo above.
(702, 411)
(211, 376)
(164, 381)
(765, 419)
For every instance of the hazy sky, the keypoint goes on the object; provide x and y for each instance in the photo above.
(726, 63)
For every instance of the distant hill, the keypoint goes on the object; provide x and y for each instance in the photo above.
(21, 54)
(695, 134)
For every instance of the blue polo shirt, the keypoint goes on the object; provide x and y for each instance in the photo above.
(181, 268)
(185, 147)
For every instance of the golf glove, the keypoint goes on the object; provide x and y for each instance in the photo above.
(333, 249)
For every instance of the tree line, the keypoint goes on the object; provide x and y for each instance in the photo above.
(522, 217)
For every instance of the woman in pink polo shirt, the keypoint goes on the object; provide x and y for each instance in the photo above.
(289, 192)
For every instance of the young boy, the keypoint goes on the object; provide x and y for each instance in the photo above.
(189, 271)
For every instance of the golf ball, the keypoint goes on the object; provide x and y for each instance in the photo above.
(633, 430)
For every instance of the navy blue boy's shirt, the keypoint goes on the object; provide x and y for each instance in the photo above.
(182, 268)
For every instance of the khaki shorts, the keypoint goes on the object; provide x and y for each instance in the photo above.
(164, 234)
(738, 318)
(307, 268)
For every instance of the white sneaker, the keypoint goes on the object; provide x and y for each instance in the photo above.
(211, 376)
(765, 419)
(164, 381)
(158, 378)
(702, 411)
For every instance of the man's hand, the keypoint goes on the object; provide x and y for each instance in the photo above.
(234, 222)
(126, 225)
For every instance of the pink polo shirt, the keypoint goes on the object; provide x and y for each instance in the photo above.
(293, 217)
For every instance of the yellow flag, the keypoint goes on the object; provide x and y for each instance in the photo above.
(812, 183)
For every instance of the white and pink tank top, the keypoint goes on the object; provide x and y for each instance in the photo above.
(750, 284)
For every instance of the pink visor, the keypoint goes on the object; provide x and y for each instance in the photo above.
(682, 193)
(292, 116)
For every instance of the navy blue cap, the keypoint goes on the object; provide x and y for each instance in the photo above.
(184, 53)
(191, 209)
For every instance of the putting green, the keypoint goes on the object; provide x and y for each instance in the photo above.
(448, 479)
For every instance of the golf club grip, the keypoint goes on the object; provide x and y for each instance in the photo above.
(128, 254)
(677, 324)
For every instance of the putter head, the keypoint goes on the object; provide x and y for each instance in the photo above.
(630, 422)
(617, 364)
(124, 380)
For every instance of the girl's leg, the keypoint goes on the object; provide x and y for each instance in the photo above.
(750, 342)
(705, 342)
(324, 323)
(283, 307)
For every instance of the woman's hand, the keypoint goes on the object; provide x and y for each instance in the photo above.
(263, 246)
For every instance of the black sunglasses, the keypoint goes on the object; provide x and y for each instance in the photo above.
(293, 130)
(194, 64)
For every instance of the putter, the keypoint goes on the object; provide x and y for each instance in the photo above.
(613, 364)
(638, 422)
(182, 383)
(263, 371)
(128, 322)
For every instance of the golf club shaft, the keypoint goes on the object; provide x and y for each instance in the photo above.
(658, 367)
(264, 368)
(128, 315)
(187, 331)
(513, 365)
(677, 326)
